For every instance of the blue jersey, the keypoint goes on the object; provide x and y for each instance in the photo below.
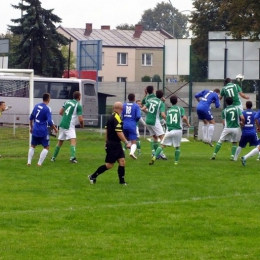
(41, 116)
(130, 115)
(207, 97)
(249, 128)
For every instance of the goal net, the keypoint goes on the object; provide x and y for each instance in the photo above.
(17, 91)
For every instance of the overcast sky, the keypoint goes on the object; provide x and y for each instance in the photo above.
(76, 13)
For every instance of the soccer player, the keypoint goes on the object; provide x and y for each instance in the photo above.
(205, 99)
(232, 118)
(249, 135)
(138, 142)
(40, 119)
(131, 115)
(233, 90)
(70, 112)
(175, 117)
(114, 150)
(155, 107)
(148, 94)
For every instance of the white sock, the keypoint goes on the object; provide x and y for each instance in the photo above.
(42, 156)
(210, 132)
(204, 132)
(30, 155)
(238, 151)
(252, 153)
(133, 148)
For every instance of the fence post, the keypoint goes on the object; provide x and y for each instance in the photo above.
(101, 124)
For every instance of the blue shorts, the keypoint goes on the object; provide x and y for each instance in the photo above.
(252, 140)
(204, 114)
(44, 141)
(130, 134)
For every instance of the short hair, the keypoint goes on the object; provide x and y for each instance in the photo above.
(76, 95)
(46, 97)
(138, 100)
(229, 101)
(227, 80)
(216, 90)
(131, 97)
(159, 93)
(249, 104)
(174, 99)
(149, 89)
(1, 103)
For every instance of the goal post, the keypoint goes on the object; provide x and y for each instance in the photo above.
(17, 91)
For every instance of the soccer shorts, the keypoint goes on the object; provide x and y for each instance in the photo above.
(130, 133)
(252, 140)
(230, 135)
(66, 134)
(172, 138)
(114, 152)
(156, 129)
(204, 113)
(44, 141)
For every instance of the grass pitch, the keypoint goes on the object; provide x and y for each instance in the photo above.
(200, 209)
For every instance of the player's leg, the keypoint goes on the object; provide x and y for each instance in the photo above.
(138, 141)
(176, 140)
(133, 137)
(61, 139)
(73, 142)
(121, 171)
(210, 130)
(43, 155)
(31, 150)
(242, 144)
(223, 135)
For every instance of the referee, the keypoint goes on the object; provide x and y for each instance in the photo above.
(114, 150)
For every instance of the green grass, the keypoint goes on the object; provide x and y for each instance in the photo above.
(200, 209)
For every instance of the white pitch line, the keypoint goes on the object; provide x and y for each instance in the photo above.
(195, 199)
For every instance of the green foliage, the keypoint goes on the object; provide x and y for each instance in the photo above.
(146, 78)
(156, 78)
(125, 26)
(65, 54)
(39, 46)
(200, 209)
(165, 16)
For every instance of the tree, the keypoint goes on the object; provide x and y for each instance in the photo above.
(65, 54)
(125, 26)
(165, 16)
(146, 78)
(156, 78)
(39, 46)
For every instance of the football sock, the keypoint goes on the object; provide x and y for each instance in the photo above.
(252, 153)
(158, 151)
(238, 151)
(218, 146)
(138, 143)
(152, 147)
(155, 145)
(233, 150)
(72, 151)
(56, 151)
(133, 149)
(42, 156)
(121, 173)
(30, 155)
(99, 171)
(204, 132)
(177, 154)
(210, 132)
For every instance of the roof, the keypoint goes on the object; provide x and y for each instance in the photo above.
(121, 38)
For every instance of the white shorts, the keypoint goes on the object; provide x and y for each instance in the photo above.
(66, 134)
(230, 135)
(156, 129)
(172, 138)
(137, 132)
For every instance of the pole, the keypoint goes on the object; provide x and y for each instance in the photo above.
(164, 70)
(190, 85)
(69, 59)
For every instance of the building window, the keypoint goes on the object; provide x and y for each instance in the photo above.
(100, 79)
(121, 58)
(147, 59)
(121, 79)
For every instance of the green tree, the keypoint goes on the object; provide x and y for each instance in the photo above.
(165, 16)
(39, 46)
(125, 26)
(156, 78)
(146, 78)
(65, 54)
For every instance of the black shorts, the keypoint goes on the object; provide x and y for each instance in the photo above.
(114, 152)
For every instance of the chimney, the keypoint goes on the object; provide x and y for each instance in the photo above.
(138, 30)
(88, 29)
(105, 27)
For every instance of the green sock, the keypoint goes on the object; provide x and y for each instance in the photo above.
(155, 145)
(233, 150)
(158, 151)
(218, 146)
(177, 154)
(72, 151)
(152, 142)
(56, 151)
(138, 143)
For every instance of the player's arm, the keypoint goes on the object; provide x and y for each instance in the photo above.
(242, 120)
(185, 120)
(61, 111)
(81, 121)
(144, 108)
(142, 121)
(243, 95)
(31, 126)
(123, 139)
